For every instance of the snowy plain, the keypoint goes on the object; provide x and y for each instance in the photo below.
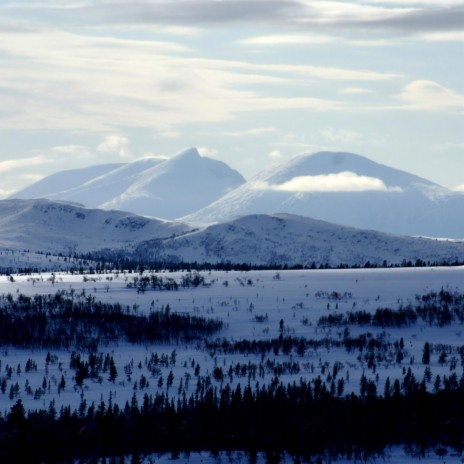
(254, 305)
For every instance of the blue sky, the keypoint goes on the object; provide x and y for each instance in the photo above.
(251, 83)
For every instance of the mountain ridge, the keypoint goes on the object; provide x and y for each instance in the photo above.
(280, 239)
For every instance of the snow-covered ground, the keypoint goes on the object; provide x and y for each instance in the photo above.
(255, 305)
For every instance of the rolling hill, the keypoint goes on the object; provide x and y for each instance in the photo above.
(59, 227)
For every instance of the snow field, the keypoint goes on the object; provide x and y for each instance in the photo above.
(255, 305)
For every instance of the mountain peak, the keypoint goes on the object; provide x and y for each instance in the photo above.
(189, 153)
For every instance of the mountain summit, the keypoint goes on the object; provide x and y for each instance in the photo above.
(157, 187)
(345, 188)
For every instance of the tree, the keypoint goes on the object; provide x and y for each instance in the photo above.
(113, 371)
(426, 353)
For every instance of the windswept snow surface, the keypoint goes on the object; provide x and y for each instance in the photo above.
(348, 189)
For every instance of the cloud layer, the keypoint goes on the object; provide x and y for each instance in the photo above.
(341, 182)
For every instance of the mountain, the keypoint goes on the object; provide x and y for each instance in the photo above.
(290, 239)
(347, 189)
(63, 181)
(177, 186)
(59, 227)
(157, 187)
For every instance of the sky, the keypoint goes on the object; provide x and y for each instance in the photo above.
(251, 83)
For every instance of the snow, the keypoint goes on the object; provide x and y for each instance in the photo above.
(156, 187)
(288, 296)
(59, 227)
(409, 205)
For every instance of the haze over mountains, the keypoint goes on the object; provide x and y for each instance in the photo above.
(342, 188)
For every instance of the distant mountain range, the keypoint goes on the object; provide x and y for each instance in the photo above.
(156, 187)
(58, 227)
(347, 189)
(341, 188)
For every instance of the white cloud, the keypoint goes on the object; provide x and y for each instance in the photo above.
(255, 132)
(340, 182)
(290, 39)
(76, 151)
(206, 151)
(428, 95)
(276, 155)
(11, 165)
(459, 188)
(115, 143)
(448, 146)
(341, 136)
(445, 36)
(59, 80)
(355, 91)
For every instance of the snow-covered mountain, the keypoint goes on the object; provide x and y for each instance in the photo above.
(177, 186)
(347, 189)
(59, 227)
(62, 182)
(290, 239)
(156, 187)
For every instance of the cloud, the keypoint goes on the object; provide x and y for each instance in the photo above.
(395, 15)
(115, 143)
(288, 39)
(448, 146)
(11, 165)
(428, 95)
(76, 151)
(450, 36)
(342, 136)
(255, 132)
(275, 155)
(206, 151)
(355, 91)
(59, 80)
(340, 182)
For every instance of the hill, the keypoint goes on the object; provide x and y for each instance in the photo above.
(282, 239)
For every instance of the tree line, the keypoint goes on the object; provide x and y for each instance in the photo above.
(79, 321)
(304, 419)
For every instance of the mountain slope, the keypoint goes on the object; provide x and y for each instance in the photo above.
(63, 181)
(345, 189)
(157, 187)
(289, 239)
(59, 227)
(179, 185)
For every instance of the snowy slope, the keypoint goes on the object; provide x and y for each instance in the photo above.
(156, 187)
(177, 186)
(63, 181)
(345, 189)
(91, 186)
(59, 227)
(289, 239)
